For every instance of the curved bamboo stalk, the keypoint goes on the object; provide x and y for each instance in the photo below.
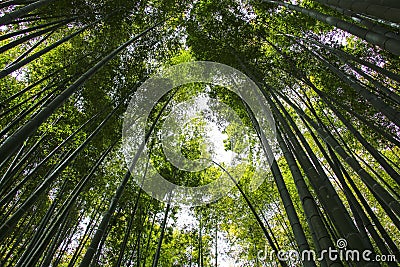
(253, 210)
(87, 259)
(387, 43)
(9, 146)
(42, 102)
(11, 222)
(367, 22)
(95, 215)
(26, 38)
(132, 216)
(160, 239)
(388, 13)
(283, 192)
(18, 65)
(7, 18)
(12, 192)
(391, 113)
(382, 195)
(66, 207)
(33, 28)
(149, 239)
(8, 3)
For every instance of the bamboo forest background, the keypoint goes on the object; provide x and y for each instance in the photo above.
(328, 69)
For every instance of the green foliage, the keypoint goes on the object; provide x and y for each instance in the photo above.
(286, 53)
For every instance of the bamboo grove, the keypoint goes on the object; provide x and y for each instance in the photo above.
(328, 70)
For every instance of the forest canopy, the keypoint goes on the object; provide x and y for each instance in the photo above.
(312, 164)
